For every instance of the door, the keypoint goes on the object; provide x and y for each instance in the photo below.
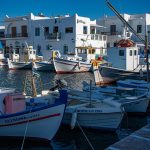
(24, 31)
(13, 31)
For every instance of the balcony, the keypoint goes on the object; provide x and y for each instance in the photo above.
(112, 33)
(53, 36)
(18, 35)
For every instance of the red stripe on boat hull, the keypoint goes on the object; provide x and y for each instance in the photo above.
(45, 117)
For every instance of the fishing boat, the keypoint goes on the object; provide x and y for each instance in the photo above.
(96, 114)
(43, 66)
(21, 114)
(23, 60)
(128, 64)
(87, 110)
(71, 66)
(3, 60)
(75, 63)
(131, 83)
(46, 65)
(133, 100)
(3, 93)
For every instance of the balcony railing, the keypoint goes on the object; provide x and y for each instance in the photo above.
(53, 36)
(18, 35)
(112, 33)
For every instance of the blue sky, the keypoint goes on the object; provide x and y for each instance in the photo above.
(90, 8)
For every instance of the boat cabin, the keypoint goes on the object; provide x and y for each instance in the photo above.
(1, 52)
(87, 53)
(24, 54)
(125, 55)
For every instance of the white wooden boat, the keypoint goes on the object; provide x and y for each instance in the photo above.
(43, 66)
(3, 60)
(104, 114)
(71, 66)
(78, 62)
(125, 63)
(19, 65)
(133, 100)
(37, 117)
(23, 59)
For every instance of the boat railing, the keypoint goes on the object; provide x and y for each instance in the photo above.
(53, 36)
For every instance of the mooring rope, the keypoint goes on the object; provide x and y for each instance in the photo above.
(26, 128)
(85, 135)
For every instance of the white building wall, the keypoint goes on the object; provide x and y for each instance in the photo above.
(133, 20)
(70, 40)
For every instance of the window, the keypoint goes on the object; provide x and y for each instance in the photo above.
(113, 29)
(108, 44)
(92, 30)
(24, 31)
(17, 50)
(139, 28)
(96, 37)
(46, 30)
(84, 29)
(115, 44)
(135, 52)
(97, 31)
(130, 53)
(65, 49)
(38, 49)
(104, 38)
(2, 34)
(92, 37)
(14, 31)
(37, 31)
(55, 29)
(69, 30)
(121, 52)
(100, 37)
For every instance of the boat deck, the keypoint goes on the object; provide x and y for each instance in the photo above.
(137, 141)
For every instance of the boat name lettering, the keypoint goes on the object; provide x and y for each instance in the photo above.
(21, 118)
(89, 111)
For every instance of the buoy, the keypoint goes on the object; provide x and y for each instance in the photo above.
(73, 120)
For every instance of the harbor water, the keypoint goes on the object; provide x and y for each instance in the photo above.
(67, 139)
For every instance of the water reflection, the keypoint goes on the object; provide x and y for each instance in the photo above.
(67, 139)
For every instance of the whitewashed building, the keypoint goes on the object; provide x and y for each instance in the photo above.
(62, 33)
(2, 33)
(116, 29)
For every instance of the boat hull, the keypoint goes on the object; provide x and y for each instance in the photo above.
(71, 66)
(104, 121)
(137, 106)
(19, 65)
(47, 120)
(110, 74)
(43, 66)
(3, 63)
